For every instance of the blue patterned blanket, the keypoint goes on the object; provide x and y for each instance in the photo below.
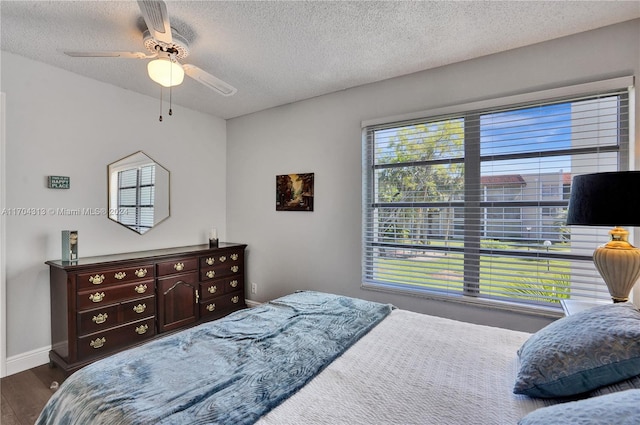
(230, 371)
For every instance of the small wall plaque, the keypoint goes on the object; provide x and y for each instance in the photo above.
(58, 182)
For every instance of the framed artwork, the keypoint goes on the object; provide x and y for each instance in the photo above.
(294, 192)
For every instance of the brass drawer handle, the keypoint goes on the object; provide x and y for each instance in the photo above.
(223, 259)
(235, 299)
(234, 257)
(210, 261)
(98, 342)
(100, 318)
(141, 289)
(211, 307)
(97, 279)
(141, 272)
(142, 329)
(140, 308)
(235, 269)
(178, 266)
(212, 289)
(120, 275)
(211, 274)
(97, 297)
(233, 283)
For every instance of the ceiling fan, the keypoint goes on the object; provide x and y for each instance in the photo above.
(165, 47)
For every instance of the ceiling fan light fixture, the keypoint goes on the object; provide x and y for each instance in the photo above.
(165, 72)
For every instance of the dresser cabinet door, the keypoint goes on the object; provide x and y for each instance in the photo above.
(177, 301)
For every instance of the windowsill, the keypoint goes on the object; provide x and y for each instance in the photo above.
(570, 307)
(541, 311)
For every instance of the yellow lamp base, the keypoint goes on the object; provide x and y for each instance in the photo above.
(619, 264)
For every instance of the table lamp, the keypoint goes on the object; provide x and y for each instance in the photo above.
(610, 199)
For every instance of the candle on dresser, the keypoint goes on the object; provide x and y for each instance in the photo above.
(213, 238)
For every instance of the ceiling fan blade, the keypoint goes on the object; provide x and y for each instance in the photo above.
(209, 80)
(157, 19)
(113, 54)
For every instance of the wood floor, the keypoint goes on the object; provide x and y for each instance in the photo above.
(24, 394)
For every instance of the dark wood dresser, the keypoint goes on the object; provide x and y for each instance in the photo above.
(102, 305)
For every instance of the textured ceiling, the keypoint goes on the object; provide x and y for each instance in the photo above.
(277, 52)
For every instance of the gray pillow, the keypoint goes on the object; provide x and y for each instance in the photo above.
(612, 409)
(581, 352)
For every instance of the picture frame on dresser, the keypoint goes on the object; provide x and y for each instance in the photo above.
(105, 304)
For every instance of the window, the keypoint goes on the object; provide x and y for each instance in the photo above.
(136, 194)
(474, 203)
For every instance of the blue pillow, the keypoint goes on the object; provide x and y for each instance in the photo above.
(611, 409)
(581, 352)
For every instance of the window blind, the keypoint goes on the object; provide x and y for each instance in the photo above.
(136, 196)
(475, 203)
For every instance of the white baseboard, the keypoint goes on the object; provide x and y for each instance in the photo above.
(28, 360)
(252, 303)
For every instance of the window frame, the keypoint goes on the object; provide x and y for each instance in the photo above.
(568, 92)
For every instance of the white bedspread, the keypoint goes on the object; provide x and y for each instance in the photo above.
(416, 369)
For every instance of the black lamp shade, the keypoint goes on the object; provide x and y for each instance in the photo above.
(605, 199)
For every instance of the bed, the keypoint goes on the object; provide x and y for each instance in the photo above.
(316, 358)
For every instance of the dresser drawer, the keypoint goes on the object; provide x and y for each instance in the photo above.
(138, 309)
(112, 294)
(102, 343)
(220, 270)
(223, 303)
(177, 266)
(222, 258)
(97, 320)
(217, 287)
(233, 283)
(114, 276)
(211, 289)
(109, 316)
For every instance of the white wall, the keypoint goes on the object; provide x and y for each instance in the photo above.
(59, 123)
(321, 250)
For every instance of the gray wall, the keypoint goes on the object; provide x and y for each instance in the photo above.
(59, 123)
(321, 250)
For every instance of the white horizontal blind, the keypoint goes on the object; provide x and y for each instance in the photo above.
(475, 203)
(136, 195)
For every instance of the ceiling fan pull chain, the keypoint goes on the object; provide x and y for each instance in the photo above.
(173, 59)
(160, 103)
(170, 93)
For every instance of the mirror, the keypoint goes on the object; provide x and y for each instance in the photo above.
(138, 192)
